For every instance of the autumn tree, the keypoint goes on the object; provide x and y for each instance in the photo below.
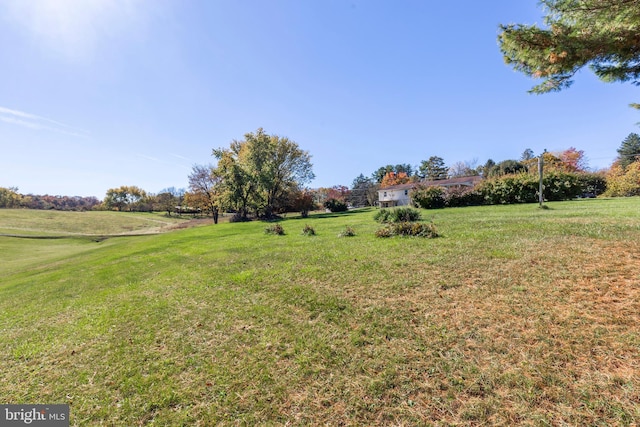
(9, 197)
(338, 193)
(168, 198)
(394, 178)
(629, 150)
(602, 34)
(303, 201)
(433, 169)
(261, 171)
(380, 173)
(237, 186)
(124, 197)
(205, 185)
(573, 160)
(552, 161)
(623, 181)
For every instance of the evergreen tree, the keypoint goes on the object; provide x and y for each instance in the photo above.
(600, 33)
(433, 169)
(629, 150)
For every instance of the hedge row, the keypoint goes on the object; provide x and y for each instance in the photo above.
(511, 189)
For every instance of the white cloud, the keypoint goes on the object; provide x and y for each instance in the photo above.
(33, 121)
(153, 159)
(177, 156)
(73, 28)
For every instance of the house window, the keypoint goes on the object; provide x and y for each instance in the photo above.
(385, 194)
(406, 192)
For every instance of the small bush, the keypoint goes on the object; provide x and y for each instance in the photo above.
(275, 229)
(382, 216)
(335, 205)
(406, 215)
(416, 229)
(347, 232)
(401, 214)
(308, 230)
(384, 232)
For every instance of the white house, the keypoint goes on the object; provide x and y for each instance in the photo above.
(396, 195)
(400, 195)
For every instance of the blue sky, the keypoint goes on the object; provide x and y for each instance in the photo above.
(95, 94)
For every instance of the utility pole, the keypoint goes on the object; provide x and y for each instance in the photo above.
(541, 173)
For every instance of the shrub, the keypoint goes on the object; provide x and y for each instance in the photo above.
(592, 184)
(275, 229)
(401, 214)
(347, 232)
(623, 182)
(406, 215)
(509, 189)
(384, 232)
(456, 197)
(428, 197)
(416, 229)
(561, 186)
(335, 205)
(308, 230)
(523, 187)
(382, 215)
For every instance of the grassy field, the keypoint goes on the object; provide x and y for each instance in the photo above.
(58, 223)
(514, 316)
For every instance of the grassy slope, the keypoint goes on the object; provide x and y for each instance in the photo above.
(515, 316)
(59, 223)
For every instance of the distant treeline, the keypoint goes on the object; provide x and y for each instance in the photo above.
(10, 198)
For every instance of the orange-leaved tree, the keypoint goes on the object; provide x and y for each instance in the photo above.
(394, 178)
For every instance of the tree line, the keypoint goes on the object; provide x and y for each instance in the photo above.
(265, 175)
(11, 198)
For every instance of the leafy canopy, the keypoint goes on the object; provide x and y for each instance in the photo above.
(604, 34)
(262, 171)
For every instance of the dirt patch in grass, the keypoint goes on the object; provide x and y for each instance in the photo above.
(195, 222)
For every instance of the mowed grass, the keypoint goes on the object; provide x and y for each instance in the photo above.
(50, 223)
(514, 316)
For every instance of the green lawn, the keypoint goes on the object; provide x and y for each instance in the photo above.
(514, 316)
(58, 223)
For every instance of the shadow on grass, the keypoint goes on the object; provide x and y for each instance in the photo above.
(95, 238)
(339, 214)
